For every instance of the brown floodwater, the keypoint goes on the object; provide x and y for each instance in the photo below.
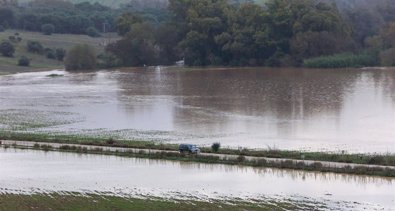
(304, 109)
(28, 172)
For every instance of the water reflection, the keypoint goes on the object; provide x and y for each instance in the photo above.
(344, 109)
(38, 171)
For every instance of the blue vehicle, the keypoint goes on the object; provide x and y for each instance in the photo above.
(189, 148)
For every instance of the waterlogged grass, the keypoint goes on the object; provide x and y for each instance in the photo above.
(23, 120)
(54, 75)
(215, 159)
(342, 157)
(84, 139)
(75, 202)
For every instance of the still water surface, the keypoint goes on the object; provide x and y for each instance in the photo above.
(343, 109)
(23, 171)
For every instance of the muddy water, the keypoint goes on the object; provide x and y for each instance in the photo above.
(41, 172)
(331, 110)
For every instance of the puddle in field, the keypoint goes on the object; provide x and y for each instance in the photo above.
(342, 109)
(23, 171)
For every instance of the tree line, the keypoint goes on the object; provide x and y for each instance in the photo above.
(277, 33)
(226, 32)
(68, 18)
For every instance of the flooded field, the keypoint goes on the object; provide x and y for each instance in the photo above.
(27, 172)
(331, 110)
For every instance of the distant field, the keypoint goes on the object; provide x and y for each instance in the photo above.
(66, 41)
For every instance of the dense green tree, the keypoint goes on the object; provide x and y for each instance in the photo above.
(80, 57)
(60, 53)
(7, 49)
(138, 47)
(383, 45)
(7, 17)
(108, 60)
(125, 22)
(24, 61)
(219, 33)
(306, 29)
(63, 15)
(49, 53)
(388, 35)
(238, 32)
(166, 41)
(204, 20)
(92, 32)
(387, 57)
(35, 47)
(47, 29)
(244, 43)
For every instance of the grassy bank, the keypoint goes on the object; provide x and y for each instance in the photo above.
(342, 61)
(215, 159)
(341, 157)
(65, 41)
(13, 202)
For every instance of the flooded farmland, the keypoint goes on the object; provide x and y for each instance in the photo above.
(26, 172)
(331, 110)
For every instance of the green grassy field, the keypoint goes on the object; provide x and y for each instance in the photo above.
(13, 202)
(65, 41)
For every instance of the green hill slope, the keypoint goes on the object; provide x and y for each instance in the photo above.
(65, 41)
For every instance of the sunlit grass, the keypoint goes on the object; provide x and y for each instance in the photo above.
(65, 41)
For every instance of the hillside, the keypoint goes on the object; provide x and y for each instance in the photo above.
(65, 41)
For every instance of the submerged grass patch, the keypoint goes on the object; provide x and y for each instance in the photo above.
(88, 202)
(14, 202)
(341, 157)
(23, 120)
(215, 159)
(54, 75)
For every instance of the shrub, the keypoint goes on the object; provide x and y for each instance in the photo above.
(92, 32)
(240, 158)
(215, 147)
(60, 53)
(47, 29)
(7, 49)
(108, 60)
(387, 57)
(24, 61)
(12, 38)
(110, 141)
(15, 38)
(81, 57)
(50, 54)
(64, 147)
(35, 47)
